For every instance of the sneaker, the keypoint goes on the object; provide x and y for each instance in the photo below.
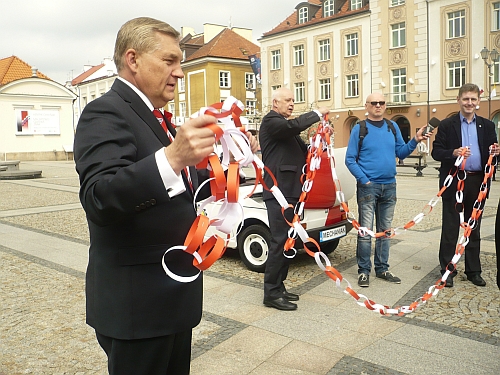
(363, 280)
(388, 276)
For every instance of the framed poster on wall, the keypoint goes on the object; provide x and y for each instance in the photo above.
(32, 121)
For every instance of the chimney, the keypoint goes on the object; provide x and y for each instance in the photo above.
(34, 71)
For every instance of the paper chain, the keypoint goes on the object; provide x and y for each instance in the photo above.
(225, 190)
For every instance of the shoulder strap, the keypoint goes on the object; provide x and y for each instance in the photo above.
(390, 125)
(363, 131)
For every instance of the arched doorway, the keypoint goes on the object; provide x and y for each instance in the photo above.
(404, 126)
(352, 121)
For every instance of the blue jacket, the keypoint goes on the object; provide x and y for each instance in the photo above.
(376, 161)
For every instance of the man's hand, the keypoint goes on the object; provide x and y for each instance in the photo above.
(420, 137)
(193, 143)
(323, 110)
(458, 151)
(254, 145)
(494, 150)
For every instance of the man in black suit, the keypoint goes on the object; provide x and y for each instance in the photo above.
(137, 195)
(473, 134)
(284, 153)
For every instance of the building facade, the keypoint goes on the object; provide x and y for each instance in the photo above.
(416, 52)
(216, 66)
(36, 114)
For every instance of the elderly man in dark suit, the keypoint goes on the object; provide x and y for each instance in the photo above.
(136, 174)
(474, 135)
(284, 153)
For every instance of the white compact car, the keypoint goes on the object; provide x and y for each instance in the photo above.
(325, 225)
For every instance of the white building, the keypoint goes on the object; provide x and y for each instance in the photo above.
(36, 114)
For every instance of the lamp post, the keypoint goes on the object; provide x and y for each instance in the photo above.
(493, 56)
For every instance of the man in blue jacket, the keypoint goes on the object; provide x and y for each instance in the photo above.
(373, 164)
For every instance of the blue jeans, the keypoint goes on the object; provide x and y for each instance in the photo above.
(375, 200)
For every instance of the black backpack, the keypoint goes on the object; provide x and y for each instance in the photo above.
(363, 131)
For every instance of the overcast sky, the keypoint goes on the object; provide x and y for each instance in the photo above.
(59, 37)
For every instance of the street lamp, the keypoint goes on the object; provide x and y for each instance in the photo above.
(493, 56)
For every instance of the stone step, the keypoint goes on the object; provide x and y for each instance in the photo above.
(19, 174)
(12, 165)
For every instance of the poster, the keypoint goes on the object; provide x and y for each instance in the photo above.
(32, 121)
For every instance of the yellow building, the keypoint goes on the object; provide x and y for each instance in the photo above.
(216, 65)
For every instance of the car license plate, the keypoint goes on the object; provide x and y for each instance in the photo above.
(330, 234)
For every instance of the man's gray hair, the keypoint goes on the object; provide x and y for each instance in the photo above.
(140, 35)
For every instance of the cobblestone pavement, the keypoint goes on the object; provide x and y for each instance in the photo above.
(42, 325)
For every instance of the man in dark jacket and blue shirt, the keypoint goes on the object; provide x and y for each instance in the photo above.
(374, 167)
(474, 136)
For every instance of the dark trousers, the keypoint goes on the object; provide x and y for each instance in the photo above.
(277, 264)
(451, 228)
(164, 355)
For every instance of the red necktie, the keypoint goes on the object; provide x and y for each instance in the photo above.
(161, 119)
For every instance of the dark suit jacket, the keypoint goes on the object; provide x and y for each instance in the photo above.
(132, 222)
(449, 137)
(283, 152)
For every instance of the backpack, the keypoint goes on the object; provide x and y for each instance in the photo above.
(363, 131)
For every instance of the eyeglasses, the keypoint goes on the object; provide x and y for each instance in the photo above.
(379, 103)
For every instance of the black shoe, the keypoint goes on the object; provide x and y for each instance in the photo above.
(290, 296)
(364, 280)
(280, 304)
(476, 279)
(449, 282)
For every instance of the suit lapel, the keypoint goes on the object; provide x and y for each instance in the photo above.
(480, 132)
(458, 128)
(141, 109)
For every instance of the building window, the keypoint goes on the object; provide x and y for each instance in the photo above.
(274, 88)
(398, 32)
(303, 15)
(250, 81)
(328, 8)
(324, 50)
(356, 4)
(399, 85)
(182, 109)
(351, 44)
(276, 59)
(496, 16)
(352, 85)
(300, 92)
(456, 24)
(324, 89)
(171, 108)
(456, 74)
(397, 2)
(298, 55)
(250, 107)
(182, 84)
(224, 79)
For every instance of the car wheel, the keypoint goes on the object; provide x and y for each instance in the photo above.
(253, 245)
(329, 247)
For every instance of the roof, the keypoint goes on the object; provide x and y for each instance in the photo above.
(226, 44)
(291, 22)
(85, 75)
(13, 68)
(196, 40)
